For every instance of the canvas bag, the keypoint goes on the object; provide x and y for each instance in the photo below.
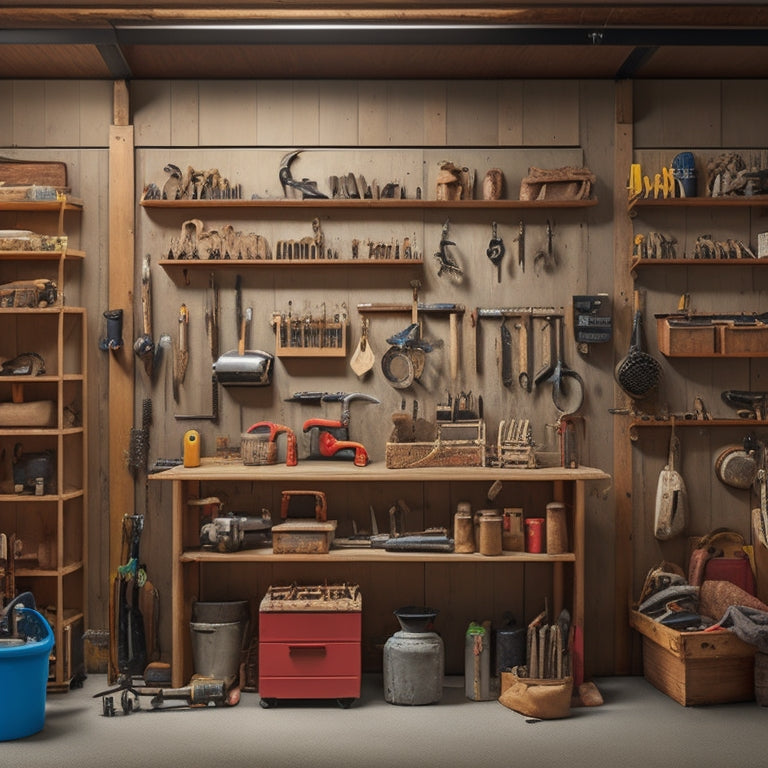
(671, 508)
(543, 698)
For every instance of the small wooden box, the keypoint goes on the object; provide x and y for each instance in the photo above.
(744, 340)
(303, 537)
(685, 340)
(696, 668)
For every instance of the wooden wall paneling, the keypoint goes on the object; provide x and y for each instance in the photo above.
(744, 113)
(672, 113)
(6, 114)
(551, 113)
(472, 113)
(510, 130)
(227, 112)
(274, 112)
(338, 113)
(374, 128)
(185, 113)
(435, 114)
(151, 112)
(406, 118)
(95, 97)
(62, 113)
(305, 131)
(29, 113)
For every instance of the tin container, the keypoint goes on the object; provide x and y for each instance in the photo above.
(534, 534)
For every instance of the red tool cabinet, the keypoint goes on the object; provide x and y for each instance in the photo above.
(309, 648)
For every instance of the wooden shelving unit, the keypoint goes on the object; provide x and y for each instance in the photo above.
(52, 527)
(192, 567)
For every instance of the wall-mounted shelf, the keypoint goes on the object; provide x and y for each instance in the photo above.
(382, 204)
(639, 262)
(61, 206)
(736, 201)
(226, 264)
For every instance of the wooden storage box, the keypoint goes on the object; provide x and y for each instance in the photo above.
(689, 340)
(746, 340)
(696, 667)
(303, 537)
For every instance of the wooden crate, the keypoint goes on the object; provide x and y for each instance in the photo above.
(685, 340)
(696, 668)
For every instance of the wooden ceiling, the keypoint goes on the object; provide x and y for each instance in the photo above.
(346, 39)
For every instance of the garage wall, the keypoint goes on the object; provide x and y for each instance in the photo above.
(243, 127)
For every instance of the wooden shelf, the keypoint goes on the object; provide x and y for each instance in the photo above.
(635, 263)
(38, 206)
(704, 423)
(170, 264)
(69, 253)
(735, 201)
(318, 471)
(382, 204)
(369, 555)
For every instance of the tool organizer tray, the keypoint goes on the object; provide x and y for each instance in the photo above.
(711, 336)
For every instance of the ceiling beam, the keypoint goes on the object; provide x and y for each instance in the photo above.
(386, 34)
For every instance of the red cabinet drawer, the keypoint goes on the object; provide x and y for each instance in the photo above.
(309, 626)
(309, 659)
(309, 687)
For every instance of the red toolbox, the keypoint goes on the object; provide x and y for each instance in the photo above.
(309, 643)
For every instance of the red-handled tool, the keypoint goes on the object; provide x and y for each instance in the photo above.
(329, 446)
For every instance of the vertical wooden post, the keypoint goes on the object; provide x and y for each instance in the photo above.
(622, 305)
(120, 261)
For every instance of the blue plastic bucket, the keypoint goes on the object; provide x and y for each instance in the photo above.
(24, 677)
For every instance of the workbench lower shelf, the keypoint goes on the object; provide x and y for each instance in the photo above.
(461, 586)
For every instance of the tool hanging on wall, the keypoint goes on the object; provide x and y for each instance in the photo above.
(495, 251)
(546, 255)
(446, 260)
(520, 240)
(671, 509)
(567, 384)
(404, 361)
(638, 373)
(212, 331)
(144, 346)
(243, 367)
(363, 358)
(181, 353)
(113, 341)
